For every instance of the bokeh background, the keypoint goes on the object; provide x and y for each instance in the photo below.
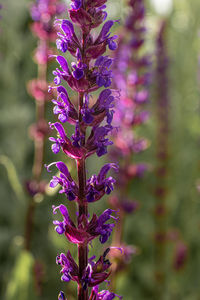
(18, 268)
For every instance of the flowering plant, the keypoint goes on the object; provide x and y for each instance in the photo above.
(92, 123)
(42, 12)
(132, 78)
(163, 233)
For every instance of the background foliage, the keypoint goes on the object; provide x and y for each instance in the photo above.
(16, 156)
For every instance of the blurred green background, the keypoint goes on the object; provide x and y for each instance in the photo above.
(17, 278)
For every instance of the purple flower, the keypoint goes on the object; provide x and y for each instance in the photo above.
(86, 231)
(65, 73)
(61, 296)
(141, 96)
(69, 269)
(78, 70)
(77, 137)
(96, 272)
(69, 187)
(97, 141)
(63, 107)
(91, 17)
(181, 255)
(105, 103)
(44, 8)
(105, 30)
(75, 78)
(43, 13)
(87, 113)
(76, 4)
(139, 145)
(61, 226)
(102, 108)
(105, 36)
(102, 295)
(101, 71)
(99, 185)
(105, 230)
(67, 38)
(71, 149)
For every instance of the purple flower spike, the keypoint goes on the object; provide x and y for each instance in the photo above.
(91, 118)
(132, 77)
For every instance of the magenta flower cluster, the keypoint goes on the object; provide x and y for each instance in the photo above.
(132, 78)
(92, 123)
(43, 13)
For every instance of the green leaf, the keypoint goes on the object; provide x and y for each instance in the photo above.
(13, 177)
(21, 284)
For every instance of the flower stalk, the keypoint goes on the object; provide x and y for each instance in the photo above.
(42, 13)
(163, 233)
(132, 78)
(162, 153)
(92, 122)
